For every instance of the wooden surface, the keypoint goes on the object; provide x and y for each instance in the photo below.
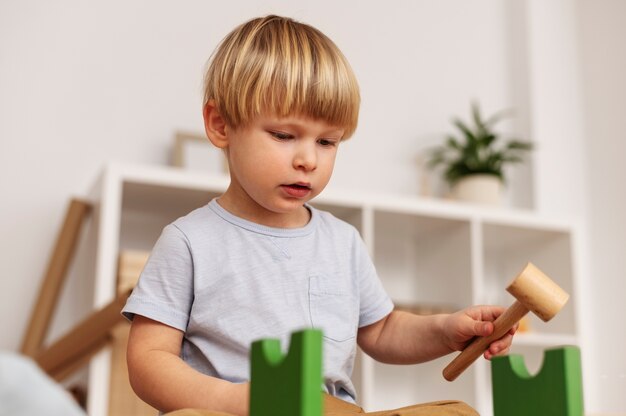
(54, 278)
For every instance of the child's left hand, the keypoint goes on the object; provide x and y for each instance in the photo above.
(461, 327)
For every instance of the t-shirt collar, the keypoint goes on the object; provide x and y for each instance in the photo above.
(263, 229)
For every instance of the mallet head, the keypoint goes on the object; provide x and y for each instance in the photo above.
(538, 293)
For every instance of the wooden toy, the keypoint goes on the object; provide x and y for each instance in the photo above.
(288, 385)
(535, 292)
(56, 273)
(556, 390)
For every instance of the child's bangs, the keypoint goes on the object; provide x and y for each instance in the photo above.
(307, 75)
(319, 93)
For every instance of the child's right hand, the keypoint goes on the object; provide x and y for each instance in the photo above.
(476, 321)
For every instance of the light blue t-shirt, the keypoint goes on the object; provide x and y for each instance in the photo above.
(226, 282)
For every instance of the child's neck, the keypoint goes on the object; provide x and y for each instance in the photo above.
(249, 210)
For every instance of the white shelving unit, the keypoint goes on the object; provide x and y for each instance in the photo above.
(427, 252)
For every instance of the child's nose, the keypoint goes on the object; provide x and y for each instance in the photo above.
(305, 157)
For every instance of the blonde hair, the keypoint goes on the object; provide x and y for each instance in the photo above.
(276, 66)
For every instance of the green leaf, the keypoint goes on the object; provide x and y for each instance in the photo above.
(469, 135)
(512, 159)
(453, 143)
(519, 145)
(477, 150)
(476, 115)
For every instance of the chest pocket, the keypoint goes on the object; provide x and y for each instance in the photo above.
(332, 307)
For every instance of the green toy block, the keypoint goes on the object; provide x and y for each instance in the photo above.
(290, 385)
(555, 391)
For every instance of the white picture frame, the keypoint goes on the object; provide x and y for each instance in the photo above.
(194, 151)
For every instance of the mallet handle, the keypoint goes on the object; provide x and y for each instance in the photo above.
(474, 350)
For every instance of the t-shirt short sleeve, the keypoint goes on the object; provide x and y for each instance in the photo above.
(165, 289)
(374, 301)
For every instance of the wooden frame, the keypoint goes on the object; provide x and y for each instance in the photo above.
(182, 140)
(74, 349)
(54, 278)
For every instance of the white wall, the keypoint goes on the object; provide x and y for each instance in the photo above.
(82, 83)
(602, 35)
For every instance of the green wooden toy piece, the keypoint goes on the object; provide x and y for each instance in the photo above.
(290, 385)
(555, 391)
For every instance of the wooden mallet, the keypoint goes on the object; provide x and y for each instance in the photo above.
(535, 292)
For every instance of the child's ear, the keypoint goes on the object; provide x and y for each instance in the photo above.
(214, 125)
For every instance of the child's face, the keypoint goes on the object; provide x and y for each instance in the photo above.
(278, 164)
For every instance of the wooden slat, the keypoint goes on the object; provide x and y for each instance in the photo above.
(122, 398)
(54, 278)
(131, 264)
(61, 373)
(84, 340)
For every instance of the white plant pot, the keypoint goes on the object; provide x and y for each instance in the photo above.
(479, 188)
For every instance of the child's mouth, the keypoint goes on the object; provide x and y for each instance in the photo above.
(297, 190)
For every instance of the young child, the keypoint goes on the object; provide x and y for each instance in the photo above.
(259, 262)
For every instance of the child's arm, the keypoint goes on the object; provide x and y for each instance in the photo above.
(162, 379)
(404, 338)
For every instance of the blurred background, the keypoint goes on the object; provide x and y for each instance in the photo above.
(83, 83)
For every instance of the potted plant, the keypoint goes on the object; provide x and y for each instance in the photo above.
(473, 164)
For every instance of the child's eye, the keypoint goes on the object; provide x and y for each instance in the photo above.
(327, 142)
(280, 135)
